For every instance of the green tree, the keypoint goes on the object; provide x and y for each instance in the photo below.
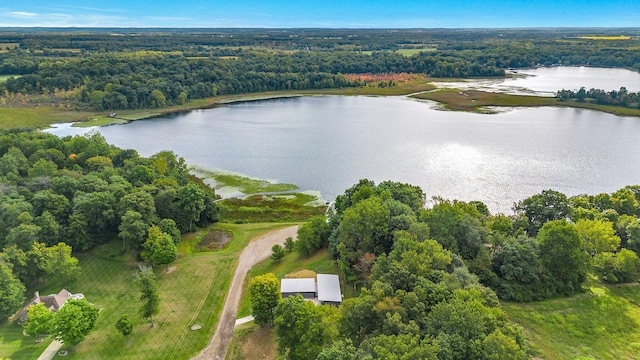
(289, 243)
(58, 263)
(150, 306)
(132, 228)
(73, 322)
(157, 99)
(159, 247)
(562, 254)
(400, 347)
(498, 346)
(168, 226)
(547, 206)
(39, 320)
(139, 201)
(339, 350)
(11, 291)
(597, 236)
(312, 235)
(277, 252)
(265, 294)
(124, 325)
(191, 202)
(364, 228)
(303, 328)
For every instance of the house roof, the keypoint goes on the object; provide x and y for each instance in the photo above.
(329, 288)
(298, 285)
(54, 302)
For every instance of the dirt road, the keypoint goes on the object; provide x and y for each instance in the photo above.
(257, 250)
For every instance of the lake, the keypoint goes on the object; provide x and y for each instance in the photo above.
(546, 81)
(328, 143)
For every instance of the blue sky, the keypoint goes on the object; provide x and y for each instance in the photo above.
(316, 13)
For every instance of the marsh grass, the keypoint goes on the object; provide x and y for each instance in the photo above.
(479, 101)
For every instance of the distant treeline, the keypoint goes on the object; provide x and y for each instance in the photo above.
(137, 68)
(621, 97)
(154, 79)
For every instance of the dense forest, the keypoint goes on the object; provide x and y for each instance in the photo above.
(431, 277)
(73, 193)
(132, 69)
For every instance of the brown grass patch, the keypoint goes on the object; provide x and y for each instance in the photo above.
(253, 342)
(301, 274)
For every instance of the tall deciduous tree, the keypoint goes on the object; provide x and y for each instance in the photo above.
(150, 300)
(191, 202)
(73, 322)
(312, 235)
(159, 247)
(597, 236)
(303, 328)
(561, 252)
(132, 228)
(11, 292)
(547, 206)
(265, 294)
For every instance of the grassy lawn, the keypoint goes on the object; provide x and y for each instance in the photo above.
(14, 345)
(477, 101)
(192, 293)
(603, 323)
(37, 117)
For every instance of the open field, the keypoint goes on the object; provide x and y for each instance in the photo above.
(37, 117)
(603, 323)
(477, 101)
(192, 293)
(8, 46)
(4, 78)
(621, 37)
(411, 52)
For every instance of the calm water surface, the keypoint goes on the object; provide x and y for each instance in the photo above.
(329, 143)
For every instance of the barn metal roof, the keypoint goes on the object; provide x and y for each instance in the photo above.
(329, 288)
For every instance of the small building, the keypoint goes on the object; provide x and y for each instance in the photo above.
(326, 290)
(304, 287)
(52, 302)
(329, 289)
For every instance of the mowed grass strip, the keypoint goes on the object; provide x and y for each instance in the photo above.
(191, 293)
(14, 345)
(603, 323)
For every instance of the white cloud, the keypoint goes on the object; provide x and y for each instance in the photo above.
(22, 14)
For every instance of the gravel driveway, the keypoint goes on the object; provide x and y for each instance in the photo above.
(257, 250)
